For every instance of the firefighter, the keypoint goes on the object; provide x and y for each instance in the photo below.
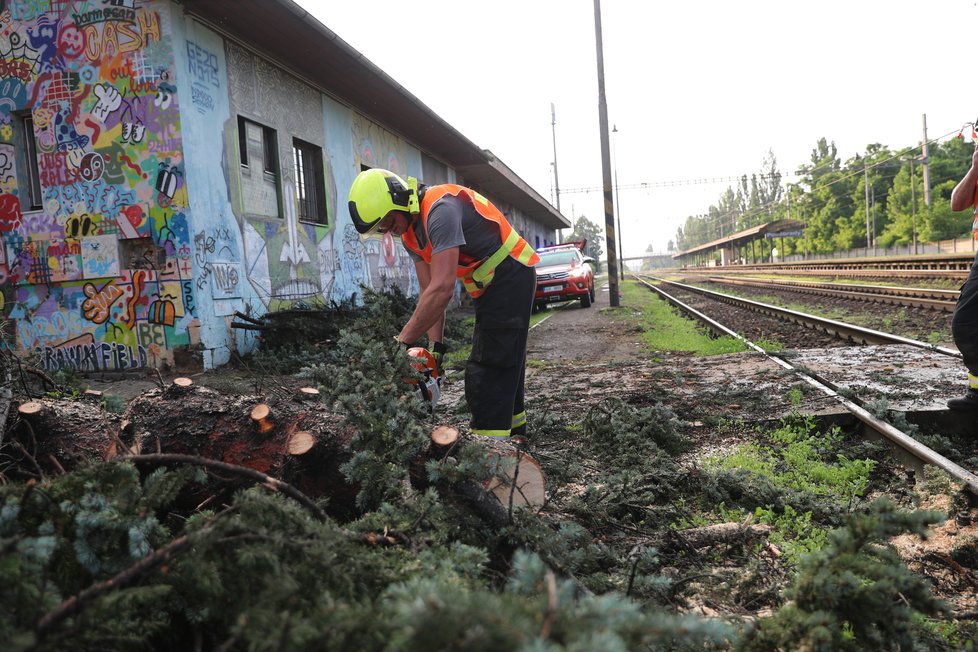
(964, 323)
(454, 232)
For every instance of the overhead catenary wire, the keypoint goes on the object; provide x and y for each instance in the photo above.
(803, 172)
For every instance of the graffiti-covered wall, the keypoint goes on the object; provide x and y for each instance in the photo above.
(158, 178)
(96, 264)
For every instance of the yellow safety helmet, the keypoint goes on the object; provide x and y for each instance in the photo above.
(377, 192)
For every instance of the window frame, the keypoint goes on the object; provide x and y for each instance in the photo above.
(269, 169)
(269, 143)
(28, 162)
(310, 182)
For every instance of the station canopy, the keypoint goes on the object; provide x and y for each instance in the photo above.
(776, 229)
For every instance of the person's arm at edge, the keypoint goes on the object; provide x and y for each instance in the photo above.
(437, 283)
(963, 194)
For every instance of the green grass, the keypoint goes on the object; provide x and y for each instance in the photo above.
(664, 328)
(799, 458)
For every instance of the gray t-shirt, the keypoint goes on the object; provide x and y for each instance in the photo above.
(453, 222)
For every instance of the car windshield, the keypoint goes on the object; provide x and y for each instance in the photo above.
(558, 258)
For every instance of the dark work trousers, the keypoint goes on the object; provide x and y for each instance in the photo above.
(495, 371)
(964, 324)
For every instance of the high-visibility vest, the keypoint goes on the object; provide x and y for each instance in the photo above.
(475, 273)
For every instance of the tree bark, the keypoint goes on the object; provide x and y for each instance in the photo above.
(60, 434)
(298, 441)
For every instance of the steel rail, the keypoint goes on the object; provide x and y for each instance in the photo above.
(943, 300)
(842, 330)
(886, 430)
(954, 266)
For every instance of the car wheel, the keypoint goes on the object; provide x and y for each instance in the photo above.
(586, 301)
(591, 293)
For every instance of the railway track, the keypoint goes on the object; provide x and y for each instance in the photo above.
(900, 440)
(847, 333)
(954, 267)
(934, 299)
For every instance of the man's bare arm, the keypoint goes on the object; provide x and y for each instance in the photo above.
(963, 194)
(437, 283)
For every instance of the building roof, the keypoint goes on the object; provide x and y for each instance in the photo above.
(769, 229)
(287, 34)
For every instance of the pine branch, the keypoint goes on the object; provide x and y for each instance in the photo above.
(74, 604)
(265, 480)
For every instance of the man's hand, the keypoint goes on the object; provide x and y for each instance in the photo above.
(438, 351)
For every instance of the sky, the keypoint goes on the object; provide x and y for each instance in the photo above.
(700, 91)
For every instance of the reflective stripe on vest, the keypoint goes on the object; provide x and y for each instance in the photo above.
(475, 273)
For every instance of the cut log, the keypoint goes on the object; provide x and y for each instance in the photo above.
(517, 477)
(308, 393)
(92, 395)
(63, 434)
(721, 533)
(214, 425)
(300, 442)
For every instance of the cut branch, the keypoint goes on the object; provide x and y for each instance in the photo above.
(727, 533)
(308, 393)
(261, 415)
(300, 442)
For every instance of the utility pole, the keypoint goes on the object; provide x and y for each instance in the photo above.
(553, 129)
(609, 202)
(913, 195)
(866, 184)
(621, 249)
(926, 174)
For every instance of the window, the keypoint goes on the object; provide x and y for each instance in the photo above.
(310, 186)
(257, 143)
(27, 163)
(258, 150)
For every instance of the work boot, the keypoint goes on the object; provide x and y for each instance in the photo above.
(966, 403)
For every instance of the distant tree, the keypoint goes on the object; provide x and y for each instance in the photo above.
(585, 229)
(830, 198)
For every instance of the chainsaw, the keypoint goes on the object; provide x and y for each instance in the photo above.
(429, 387)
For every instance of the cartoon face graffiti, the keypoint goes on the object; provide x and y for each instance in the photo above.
(71, 42)
(92, 166)
(167, 182)
(164, 96)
